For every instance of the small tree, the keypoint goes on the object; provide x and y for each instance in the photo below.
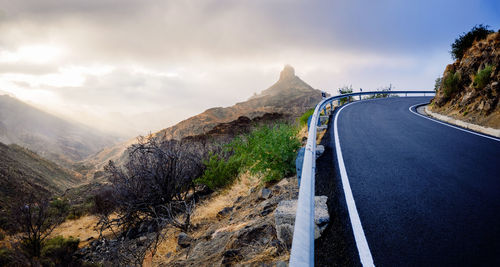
(465, 40)
(34, 220)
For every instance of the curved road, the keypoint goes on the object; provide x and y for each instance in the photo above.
(426, 194)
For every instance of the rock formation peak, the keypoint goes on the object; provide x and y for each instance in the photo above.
(287, 73)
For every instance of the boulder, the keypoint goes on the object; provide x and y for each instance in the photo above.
(224, 212)
(284, 217)
(183, 240)
(257, 234)
(267, 208)
(283, 183)
(208, 248)
(265, 193)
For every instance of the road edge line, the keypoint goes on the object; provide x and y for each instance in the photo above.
(449, 125)
(365, 255)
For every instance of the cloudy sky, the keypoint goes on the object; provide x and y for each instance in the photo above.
(133, 66)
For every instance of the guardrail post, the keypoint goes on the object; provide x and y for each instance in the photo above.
(406, 94)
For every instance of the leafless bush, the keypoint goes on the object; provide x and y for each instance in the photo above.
(33, 220)
(151, 190)
(104, 202)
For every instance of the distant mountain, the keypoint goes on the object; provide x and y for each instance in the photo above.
(289, 96)
(51, 137)
(22, 171)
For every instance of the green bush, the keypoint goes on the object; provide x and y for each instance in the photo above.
(465, 40)
(268, 151)
(450, 83)
(219, 172)
(78, 210)
(305, 117)
(483, 77)
(75, 212)
(59, 251)
(59, 207)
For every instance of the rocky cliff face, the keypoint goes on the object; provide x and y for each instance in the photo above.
(470, 89)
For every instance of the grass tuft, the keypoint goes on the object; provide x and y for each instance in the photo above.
(483, 77)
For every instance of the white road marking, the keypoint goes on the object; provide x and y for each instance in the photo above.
(359, 235)
(449, 125)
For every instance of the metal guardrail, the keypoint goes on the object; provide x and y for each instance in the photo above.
(302, 253)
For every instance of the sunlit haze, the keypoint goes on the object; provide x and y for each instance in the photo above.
(131, 67)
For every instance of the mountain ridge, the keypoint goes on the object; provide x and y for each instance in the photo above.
(54, 138)
(289, 96)
(23, 171)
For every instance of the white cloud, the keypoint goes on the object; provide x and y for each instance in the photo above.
(37, 54)
(104, 62)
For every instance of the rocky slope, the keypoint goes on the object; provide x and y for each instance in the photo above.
(23, 171)
(51, 137)
(236, 226)
(289, 96)
(221, 133)
(470, 89)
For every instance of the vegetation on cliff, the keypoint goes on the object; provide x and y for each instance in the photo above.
(469, 89)
(466, 40)
(268, 152)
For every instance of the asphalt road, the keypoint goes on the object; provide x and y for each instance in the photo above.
(426, 194)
